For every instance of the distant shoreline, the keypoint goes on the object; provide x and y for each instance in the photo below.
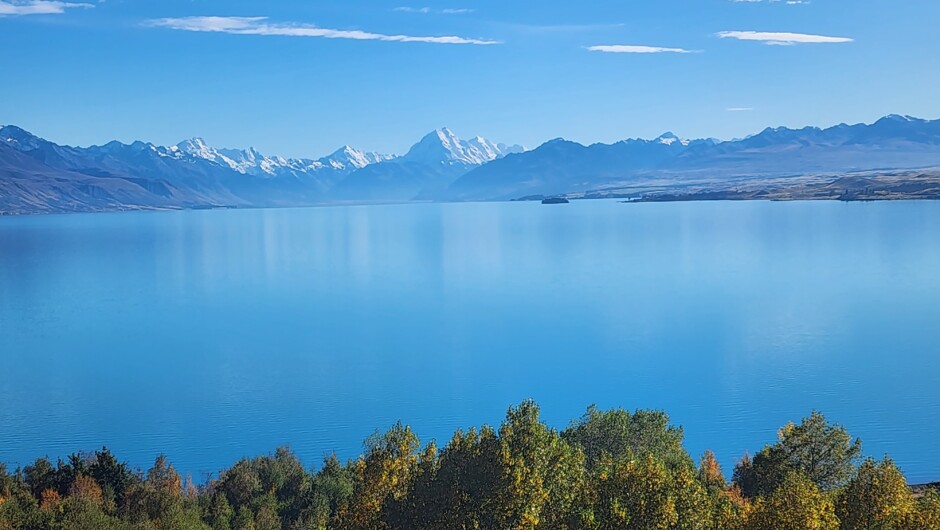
(860, 187)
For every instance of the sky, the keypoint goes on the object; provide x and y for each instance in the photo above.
(300, 78)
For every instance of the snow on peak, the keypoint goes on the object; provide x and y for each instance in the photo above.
(347, 157)
(442, 146)
(19, 138)
(670, 139)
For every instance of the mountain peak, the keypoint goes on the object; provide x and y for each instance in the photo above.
(669, 138)
(348, 157)
(443, 146)
(19, 138)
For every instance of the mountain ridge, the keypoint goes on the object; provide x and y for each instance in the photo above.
(38, 176)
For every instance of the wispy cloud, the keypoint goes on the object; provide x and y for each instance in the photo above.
(739, 109)
(782, 38)
(626, 48)
(261, 26)
(37, 7)
(433, 11)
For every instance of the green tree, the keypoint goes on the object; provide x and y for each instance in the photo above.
(41, 476)
(823, 452)
(79, 514)
(465, 490)
(331, 487)
(619, 433)
(878, 498)
(219, 514)
(114, 477)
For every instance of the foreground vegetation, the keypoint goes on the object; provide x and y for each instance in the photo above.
(609, 470)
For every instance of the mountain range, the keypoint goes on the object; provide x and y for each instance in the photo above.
(38, 176)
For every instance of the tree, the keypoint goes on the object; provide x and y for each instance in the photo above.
(710, 474)
(796, 504)
(630, 494)
(240, 485)
(159, 497)
(825, 453)
(385, 472)
(693, 505)
(220, 513)
(85, 488)
(927, 514)
(618, 433)
(878, 498)
(331, 487)
(542, 474)
(41, 476)
(465, 489)
(114, 477)
(732, 510)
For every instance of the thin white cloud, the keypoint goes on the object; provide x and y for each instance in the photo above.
(37, 7)
(739, 109)
(433, 11)
(261, 26)
(626, 48)
(782, 38)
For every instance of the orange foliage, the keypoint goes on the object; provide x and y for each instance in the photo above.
(50, 499)
(85, 487)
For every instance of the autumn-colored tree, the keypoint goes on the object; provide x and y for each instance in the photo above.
(157, 498)
(796, 504)
(85, 488)
(633, 494)
(878, 498)
(385, 472)
(732, 510)
(542, 473)
(694, 509)
(420, 507)
(50, 499)
(710, 474)
(927, 514)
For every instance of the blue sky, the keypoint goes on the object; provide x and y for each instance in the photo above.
(300, 78)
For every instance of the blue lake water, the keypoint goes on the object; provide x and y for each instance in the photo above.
(212, 335)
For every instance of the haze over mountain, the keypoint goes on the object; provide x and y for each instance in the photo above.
(40, 176)
(559, 166)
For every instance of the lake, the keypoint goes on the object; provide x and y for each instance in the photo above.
(212, 335)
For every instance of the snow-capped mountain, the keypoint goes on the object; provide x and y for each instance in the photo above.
(37, 175)
(559, 166)
(348, 158)
(432, 164)
(250, 161)
(442, 146)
